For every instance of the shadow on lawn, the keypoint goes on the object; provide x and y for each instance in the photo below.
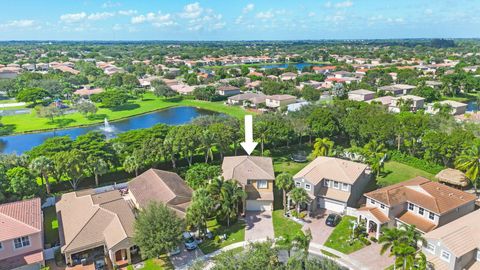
(126, 107)
(97, 116)
(62, 122)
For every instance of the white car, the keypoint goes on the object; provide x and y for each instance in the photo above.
(189, 241)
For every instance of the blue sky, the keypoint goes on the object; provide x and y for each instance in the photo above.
(237, 19)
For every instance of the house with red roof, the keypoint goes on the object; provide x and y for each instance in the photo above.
(21, 235)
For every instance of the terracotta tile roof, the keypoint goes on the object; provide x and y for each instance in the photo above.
(161, 186)
(433, 196)
(420, 223)
(344, 171)
(459, 236)
(243, 168)
(20, 218)
(87, 220)
(376, 213)
(22, 260)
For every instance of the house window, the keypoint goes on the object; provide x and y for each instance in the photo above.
(1, 246)
(336, 184)
(430, 248)
(21, 242)
(308, 187)
(445, 255)
(326, 183)
(478, 255)
(297, 184)
(372, 201)
(262, 184)
(344, 187)
(421, 211)
(382, 206)
(410, 206)
(431, 216)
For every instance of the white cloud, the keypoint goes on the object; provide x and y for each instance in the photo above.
(344, 4)
(156, 19)
(328, 4)
(428, 11)
(192, 11)
(117, 27)
(312, 14)
(15, 24)
(239, 20)
(265, 15)
(129, 12)
(110, 4)
(248, 8)
(100, 16)
(73, 17)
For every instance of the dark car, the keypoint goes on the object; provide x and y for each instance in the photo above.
(333, 220)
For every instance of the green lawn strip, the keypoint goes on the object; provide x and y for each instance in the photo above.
(162, 263)
(329, 254)
(50, 224)
(284, 226)
(235, 233)
(339, 239)
(395, 172)
(30, 122)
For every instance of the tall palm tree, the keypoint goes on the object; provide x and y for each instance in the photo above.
(98, 167)
(207, 142)
(299, 196)
(374, 153)
(43, 166)
(322, 147)
(302, 242)
(231, 195)
(405, 255)
(403, 244)
(132, 163)
(285, 182)
(469, 162)
(286, 242)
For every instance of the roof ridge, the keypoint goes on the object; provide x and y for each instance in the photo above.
(19, 221)
(337, 160)
(248, 158)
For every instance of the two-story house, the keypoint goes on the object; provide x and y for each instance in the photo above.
(397, 89)
(416, 103)
(21, 235)
(277, 101)
(332, 183)
(361, 95)
(456, 245)
(228, 90)
(419, 201)
(256, 176)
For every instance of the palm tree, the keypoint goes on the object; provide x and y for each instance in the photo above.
(43, 166)
(285, 182)
(322, 147)
(132, 163)
(207, 142)
(99, 167)
(403, 244)
(302, 242)
(469, 162)
(404, 254)
(374, 153)
(299, 196)
(200, 209)
(231, 195)
(286, 242)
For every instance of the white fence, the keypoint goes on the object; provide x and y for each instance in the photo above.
(350, 211)
(110, 187)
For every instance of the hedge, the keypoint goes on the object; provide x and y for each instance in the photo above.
(415, 162)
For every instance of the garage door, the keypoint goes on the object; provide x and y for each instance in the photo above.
(331, 205)
(35, 266)
(253, 205)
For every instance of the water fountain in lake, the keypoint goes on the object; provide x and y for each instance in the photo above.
(107, 128)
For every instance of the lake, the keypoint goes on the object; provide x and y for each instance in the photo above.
(299, 66)
(172, 116)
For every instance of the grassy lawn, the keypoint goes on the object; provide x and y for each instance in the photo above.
(396, 172)
(30, 122)
(235, 233)
(339, 239)
(284, 226)
(50, 224)
(162, 263)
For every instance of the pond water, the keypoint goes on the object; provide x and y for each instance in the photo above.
(472, 106)
(172, 116)
(299, 66)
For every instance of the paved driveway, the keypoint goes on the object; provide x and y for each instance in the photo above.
(370, 257)
(185, 258)
(259, 226)
(320, 231)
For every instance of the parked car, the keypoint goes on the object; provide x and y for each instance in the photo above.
(332, 220)
(189, 241)
(174, 251)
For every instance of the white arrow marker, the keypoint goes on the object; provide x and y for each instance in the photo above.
(249, 144)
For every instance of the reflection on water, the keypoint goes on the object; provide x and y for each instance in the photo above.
(173, 116)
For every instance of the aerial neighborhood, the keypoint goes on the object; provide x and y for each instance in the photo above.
(240, 155)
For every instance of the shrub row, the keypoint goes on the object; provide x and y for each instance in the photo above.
(415, 162)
